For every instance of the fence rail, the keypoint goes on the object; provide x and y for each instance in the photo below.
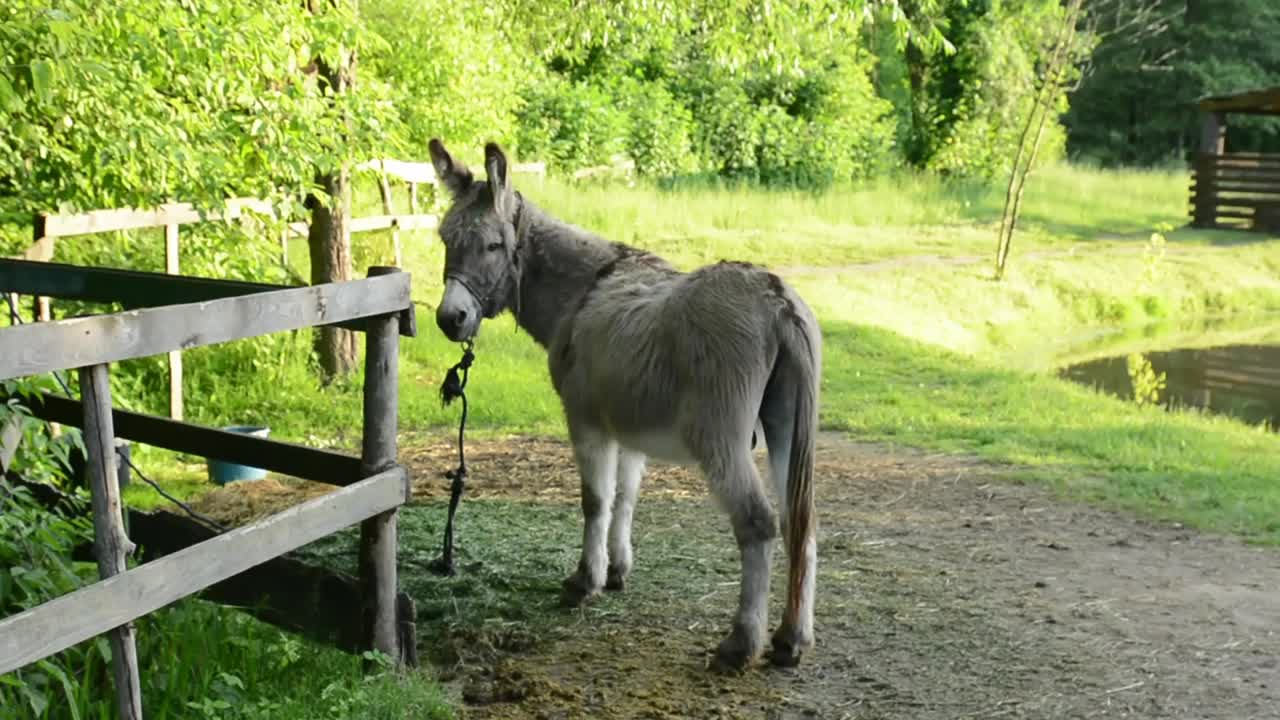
(376, 485)
(43, 347)
(1237, 191)
(90, 611)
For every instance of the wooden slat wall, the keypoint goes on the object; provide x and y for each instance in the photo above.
(1236, 191)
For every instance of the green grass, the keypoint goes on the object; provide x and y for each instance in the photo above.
(1209, 472)
(198, 660)
(934, 355)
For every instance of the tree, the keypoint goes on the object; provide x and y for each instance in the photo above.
(329, 232)
(1057, 69)
(1154, 60)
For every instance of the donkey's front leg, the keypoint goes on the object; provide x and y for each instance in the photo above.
(597, 459)
(630, 470)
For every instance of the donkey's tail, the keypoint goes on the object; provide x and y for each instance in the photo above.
(801, 347)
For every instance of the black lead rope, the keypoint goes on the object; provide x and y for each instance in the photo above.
(454, 387)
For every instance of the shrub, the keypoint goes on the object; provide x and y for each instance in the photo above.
(661, 133)
(570, 124)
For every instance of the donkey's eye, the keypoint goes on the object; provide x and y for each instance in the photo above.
(494, 246)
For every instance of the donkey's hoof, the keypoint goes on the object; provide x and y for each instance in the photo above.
(575, 592)
(615, 579)
(788, 646)
(736, 652)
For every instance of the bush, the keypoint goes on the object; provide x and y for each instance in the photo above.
(729, 132)
(661, 136)
(570, 124)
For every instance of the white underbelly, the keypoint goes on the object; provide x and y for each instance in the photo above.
(663, 445)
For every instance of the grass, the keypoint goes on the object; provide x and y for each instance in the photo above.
(929, 354)
(199, 660)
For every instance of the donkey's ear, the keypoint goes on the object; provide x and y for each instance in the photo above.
(454, 175)
(495, 164)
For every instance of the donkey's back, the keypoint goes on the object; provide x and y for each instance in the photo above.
(667, 362)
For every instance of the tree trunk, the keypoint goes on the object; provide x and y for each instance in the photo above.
(329, 236)
(329, 239)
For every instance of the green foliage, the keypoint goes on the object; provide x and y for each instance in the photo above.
(976, 101)
(1137, 102)
(661, 131)
(571, 124)
(450, 69)
(131, 105)
(40, 456)
(1147, 384)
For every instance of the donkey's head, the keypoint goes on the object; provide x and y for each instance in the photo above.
(481, 271)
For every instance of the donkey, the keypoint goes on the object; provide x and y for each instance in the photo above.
(649, 361)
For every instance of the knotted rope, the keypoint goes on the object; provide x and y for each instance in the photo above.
(453, 388)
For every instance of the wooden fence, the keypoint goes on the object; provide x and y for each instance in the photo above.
(1236, 191)
(48, 228)
(175, 312)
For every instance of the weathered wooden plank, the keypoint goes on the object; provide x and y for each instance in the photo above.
(417, 222)
(1244, 203)
(538, 168)
(388, 207)
(1238, 161)
(393, 222)
(60, 623)
(377, 557)
(318, 602)
(372, 222)
(277, 456)
(1244, 174)
(171, 267)
(412, 172)
(1233, 214)
(111, 544)
(98, 221)
(76, 342)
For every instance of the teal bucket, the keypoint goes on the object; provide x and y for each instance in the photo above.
(222, 472)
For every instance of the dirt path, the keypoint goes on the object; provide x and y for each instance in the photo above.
(945, 591)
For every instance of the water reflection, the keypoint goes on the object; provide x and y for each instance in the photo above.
(1238, 380)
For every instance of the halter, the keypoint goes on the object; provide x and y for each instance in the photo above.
(489, 303)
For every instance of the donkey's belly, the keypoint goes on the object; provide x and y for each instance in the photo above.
(664, 445)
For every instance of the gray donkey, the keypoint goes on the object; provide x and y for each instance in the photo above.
(650, 361)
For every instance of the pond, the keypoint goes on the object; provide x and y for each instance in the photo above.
(1237, 379)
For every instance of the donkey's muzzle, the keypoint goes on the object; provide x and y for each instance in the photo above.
(454, 323)
(460, 312)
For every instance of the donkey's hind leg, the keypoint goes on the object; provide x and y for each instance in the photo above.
(740, 490)
(597, 459)
(630, 469)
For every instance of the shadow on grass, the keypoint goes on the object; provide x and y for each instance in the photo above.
(1208, 472)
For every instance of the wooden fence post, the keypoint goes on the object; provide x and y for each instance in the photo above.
(175, 357)
(1213, 133)
(378, 453)
(111, 542)
(384, 188)
(413, 198)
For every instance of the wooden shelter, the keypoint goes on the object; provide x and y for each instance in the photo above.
(1235, 190)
